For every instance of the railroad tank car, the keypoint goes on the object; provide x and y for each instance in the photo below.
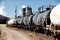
(27, 20)
(35, 18)
(40, 19)
(55, 19)
(20, 20)
(11, 22)
(55, 15)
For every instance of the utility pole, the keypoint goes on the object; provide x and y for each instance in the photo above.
(16, 12)
(15, 15)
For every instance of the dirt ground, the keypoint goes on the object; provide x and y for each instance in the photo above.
(19, 34)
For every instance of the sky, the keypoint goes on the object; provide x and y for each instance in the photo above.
(7, 7)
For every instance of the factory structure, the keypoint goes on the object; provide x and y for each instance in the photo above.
(3, 19)
(26, 10)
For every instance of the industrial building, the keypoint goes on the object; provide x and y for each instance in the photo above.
(3, 19)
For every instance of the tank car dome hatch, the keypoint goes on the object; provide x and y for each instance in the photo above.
(55, 15)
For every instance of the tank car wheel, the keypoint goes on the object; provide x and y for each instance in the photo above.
(36, 29)
(26, 28)
(47, 32)
(31, 29)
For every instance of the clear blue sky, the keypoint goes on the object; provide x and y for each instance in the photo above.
(10, 5)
